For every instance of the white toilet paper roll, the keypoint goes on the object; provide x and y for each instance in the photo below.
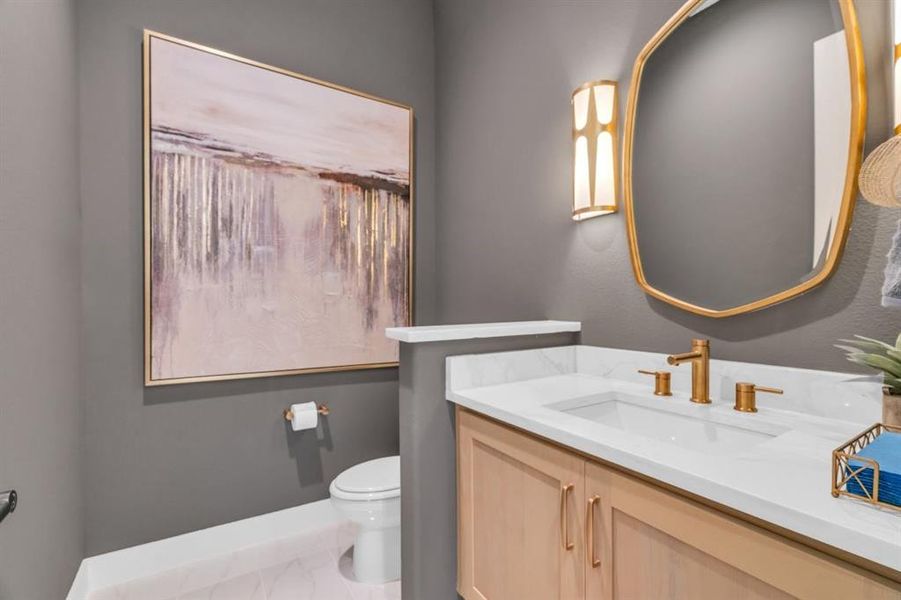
(304, 416)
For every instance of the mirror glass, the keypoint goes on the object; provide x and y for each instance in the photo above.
(743, 142)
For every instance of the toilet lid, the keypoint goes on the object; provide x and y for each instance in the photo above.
(379, 475)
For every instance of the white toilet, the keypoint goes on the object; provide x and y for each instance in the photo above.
(369, 495)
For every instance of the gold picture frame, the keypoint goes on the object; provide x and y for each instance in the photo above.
(149, 379)
(849, 196)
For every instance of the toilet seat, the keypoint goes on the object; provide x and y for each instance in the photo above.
(377, 479)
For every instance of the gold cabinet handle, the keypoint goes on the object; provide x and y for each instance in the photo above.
(592, 503)
(564, 518)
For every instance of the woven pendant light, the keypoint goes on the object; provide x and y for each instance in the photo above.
(880, 174)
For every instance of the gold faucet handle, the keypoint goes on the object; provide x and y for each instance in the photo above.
(746, 395)
(661, 382)
(768, 390)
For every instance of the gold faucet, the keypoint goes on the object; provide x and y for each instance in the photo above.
(700, 369)
(661, 382)
(746, 395)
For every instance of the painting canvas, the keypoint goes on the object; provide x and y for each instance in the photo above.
(278, 219)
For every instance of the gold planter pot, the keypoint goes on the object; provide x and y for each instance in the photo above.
(891, 409)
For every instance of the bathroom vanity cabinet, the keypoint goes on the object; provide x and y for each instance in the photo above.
(539, 521)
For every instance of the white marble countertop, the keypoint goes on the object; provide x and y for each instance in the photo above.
(441, 333)
(784, 480)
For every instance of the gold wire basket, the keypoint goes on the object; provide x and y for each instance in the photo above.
(844, 473)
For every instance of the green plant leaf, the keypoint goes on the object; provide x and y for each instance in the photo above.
(894, 355)
(898, 342)
(879, 343)
(856, 345)
(867, 346)
(848, 349)
(857, 359)
(883, 364)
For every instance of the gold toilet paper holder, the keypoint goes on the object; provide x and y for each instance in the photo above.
(322, 409)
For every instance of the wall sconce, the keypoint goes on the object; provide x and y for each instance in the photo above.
(595, 143)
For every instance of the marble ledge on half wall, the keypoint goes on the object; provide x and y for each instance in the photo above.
(443, 333)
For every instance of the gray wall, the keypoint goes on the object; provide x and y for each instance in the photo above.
(507, 247)
(40, 413)
(162, 461)
(428, 459)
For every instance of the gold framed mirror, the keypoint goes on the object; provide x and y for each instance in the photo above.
(743, 138)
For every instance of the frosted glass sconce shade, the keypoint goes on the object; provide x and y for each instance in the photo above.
(595, 164)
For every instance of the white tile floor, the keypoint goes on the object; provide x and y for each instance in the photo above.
(316, 566)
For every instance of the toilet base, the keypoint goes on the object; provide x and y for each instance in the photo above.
(377, 555)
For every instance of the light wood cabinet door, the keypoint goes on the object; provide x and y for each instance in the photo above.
(652, 543)
(520, 518)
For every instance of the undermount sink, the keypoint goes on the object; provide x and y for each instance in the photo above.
(697, 431)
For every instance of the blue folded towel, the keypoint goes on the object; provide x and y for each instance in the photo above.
(886, 450)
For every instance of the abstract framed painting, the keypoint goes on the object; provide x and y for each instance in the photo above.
(278, 219)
